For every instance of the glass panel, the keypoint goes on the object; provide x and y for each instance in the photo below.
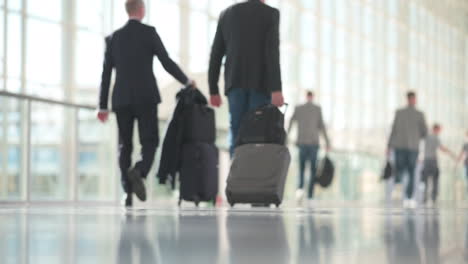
(15, 5)
(309, 72)
(219, 5)
(199, 4)
(14, 46)
(327, 38)
(309, 30)
(97, 145)
(328, 8)
(48, 9)
(40, 35)
(342, 11)
(50, 147)
(199, 44)
(164, 11)
(11, 177)
(91, 14)
(2, 46)
(120, 15)
(309, 4)
(89, 56)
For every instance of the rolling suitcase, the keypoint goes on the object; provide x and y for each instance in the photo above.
(258, 174)
(264, 125)
(199, 173)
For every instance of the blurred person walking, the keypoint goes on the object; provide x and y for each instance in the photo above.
(431, 169)
(464, 154)
(310, 125)
(131, 50)
(408, 130)
(248, 36)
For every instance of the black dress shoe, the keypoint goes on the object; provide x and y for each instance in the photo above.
(128, 200)
(138, 185)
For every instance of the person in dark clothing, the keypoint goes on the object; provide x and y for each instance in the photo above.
(248, 36)
(131, 50)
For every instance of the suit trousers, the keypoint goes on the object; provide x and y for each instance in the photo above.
(148, 129)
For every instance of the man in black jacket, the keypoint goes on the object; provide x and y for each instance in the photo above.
(130, 50)
(248, 35)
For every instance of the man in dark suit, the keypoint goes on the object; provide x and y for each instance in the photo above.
(248, 35)
(130, 50)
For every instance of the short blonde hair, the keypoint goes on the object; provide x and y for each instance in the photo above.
(133, 6)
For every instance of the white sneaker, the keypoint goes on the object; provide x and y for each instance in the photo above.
(430, 204)
(410, 204)
(406, 203)
(299, 197)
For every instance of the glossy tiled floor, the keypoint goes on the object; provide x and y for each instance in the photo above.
(327, 234)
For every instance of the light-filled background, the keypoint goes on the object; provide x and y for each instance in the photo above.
(359, 56)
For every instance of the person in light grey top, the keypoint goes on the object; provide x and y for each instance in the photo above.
(310, 124)
(431, 165)
(408, 129)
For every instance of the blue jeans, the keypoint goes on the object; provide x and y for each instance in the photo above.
(406, 162)
(242, 101)
(308, 153)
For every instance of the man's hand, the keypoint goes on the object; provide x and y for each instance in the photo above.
(193, 84)
(215, 100)
(103, 116)
(277, 99)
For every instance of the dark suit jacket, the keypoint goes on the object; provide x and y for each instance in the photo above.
(130, 50)
(248, 35)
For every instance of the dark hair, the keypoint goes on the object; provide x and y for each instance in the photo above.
(310, 93)
(436, 126)
(411, 94)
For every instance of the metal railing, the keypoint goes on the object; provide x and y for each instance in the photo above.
(30, 98)
(67, 147)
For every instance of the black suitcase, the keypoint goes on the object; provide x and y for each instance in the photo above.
(265, 125)
(199, 173)
(258, 174)
(326, 172)
(200, 124)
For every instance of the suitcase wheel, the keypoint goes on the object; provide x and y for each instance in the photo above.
(179, 203)
(277, 205)
(196, 200)
(232, 204)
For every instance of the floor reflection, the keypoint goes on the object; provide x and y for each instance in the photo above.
(135, 245)
(316, 239)
(257, 238)
(334, 235)
(401, 243)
